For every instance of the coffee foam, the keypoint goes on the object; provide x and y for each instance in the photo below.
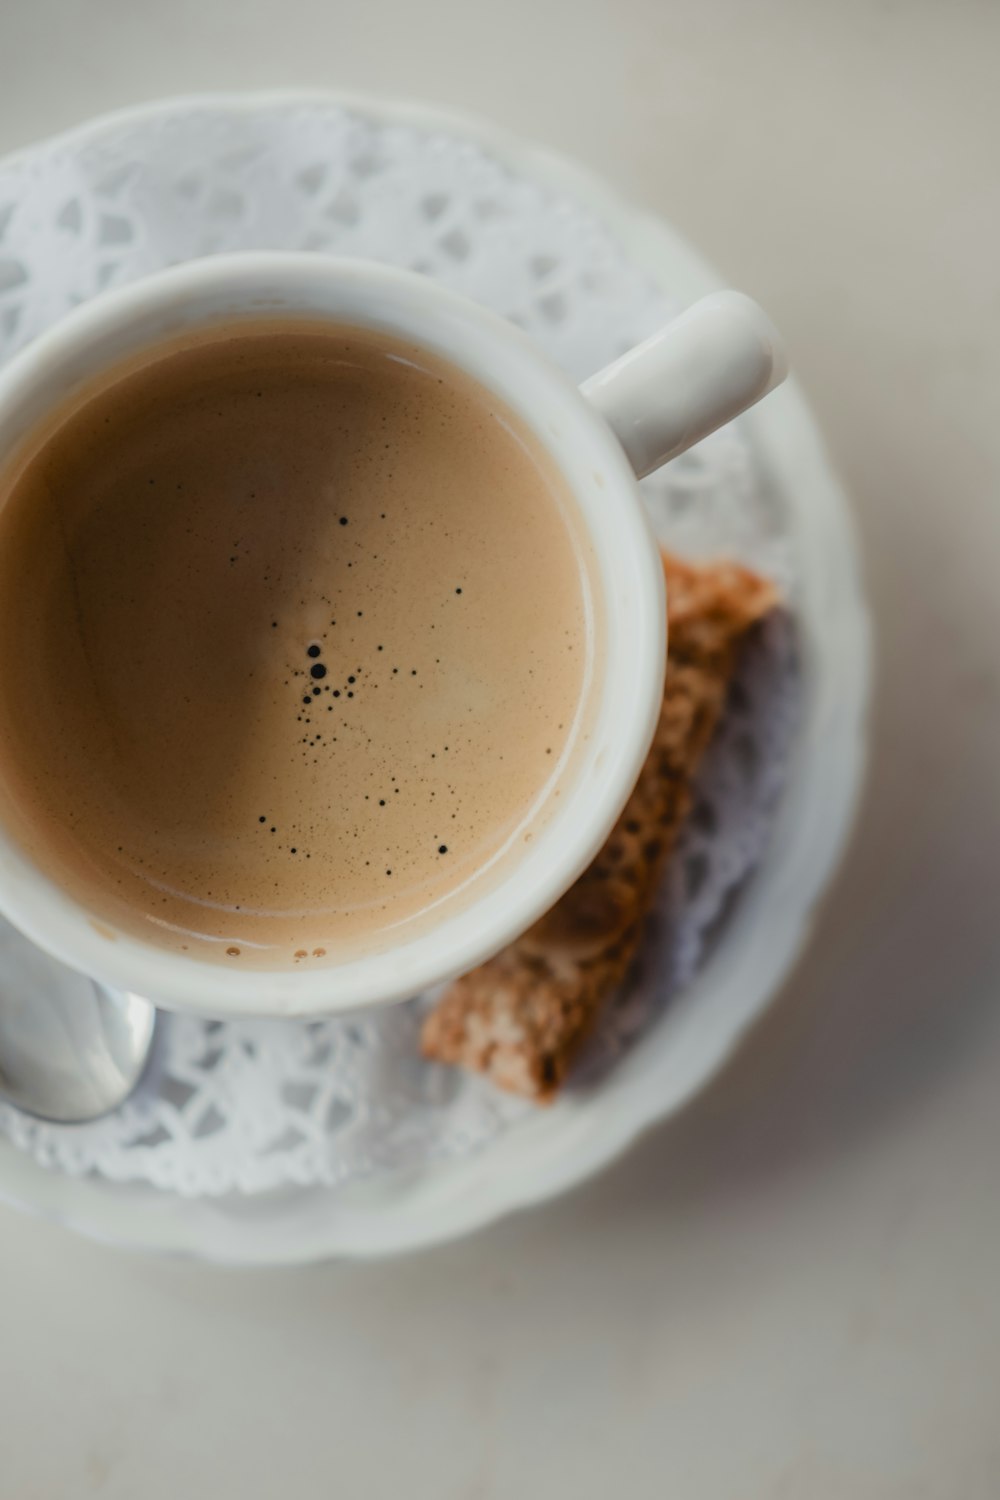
(296, 632)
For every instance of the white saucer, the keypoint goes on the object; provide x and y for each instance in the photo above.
(559, 1147)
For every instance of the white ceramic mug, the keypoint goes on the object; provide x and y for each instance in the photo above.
(711, 363)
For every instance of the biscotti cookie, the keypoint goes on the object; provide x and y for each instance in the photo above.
(522, 1017)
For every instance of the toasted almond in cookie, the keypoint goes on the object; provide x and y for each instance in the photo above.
(522, 1017)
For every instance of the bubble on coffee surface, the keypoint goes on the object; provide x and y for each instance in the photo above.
(316, 665)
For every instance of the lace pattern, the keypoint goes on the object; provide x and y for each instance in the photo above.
(252, 1106)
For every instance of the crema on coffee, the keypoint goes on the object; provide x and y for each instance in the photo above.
(296, 635)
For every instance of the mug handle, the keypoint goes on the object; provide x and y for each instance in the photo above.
(713, 361)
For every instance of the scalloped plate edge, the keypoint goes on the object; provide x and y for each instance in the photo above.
(773, 919)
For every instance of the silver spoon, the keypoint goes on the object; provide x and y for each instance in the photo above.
(70, 1049)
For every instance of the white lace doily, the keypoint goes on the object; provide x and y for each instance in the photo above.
(252, 1106)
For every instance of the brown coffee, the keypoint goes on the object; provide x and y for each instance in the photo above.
(294, 637)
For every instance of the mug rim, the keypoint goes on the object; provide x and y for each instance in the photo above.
(403, 303)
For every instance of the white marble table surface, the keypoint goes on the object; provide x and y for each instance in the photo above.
(792, 1292)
